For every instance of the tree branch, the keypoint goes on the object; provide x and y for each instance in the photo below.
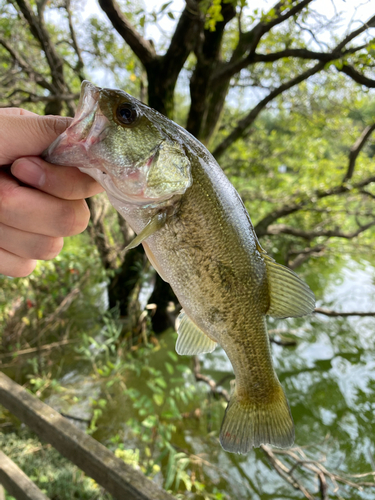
(334, 314)
(356, 149)
(40, 33)
(207, 51)
(182, 42)
(249, 41)
(24, 65)
(231, 69)
(250, 118)
(142, 48)
(80, 64)
(310, 235)
(357, 76)
(304, 255)
(262, 225)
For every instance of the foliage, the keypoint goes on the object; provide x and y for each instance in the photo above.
(54, 475)
(48, 300)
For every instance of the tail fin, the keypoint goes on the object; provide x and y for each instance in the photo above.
(249, 423)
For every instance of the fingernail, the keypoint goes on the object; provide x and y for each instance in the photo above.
(29, 171)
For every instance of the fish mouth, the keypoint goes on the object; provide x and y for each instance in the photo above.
(87, 128)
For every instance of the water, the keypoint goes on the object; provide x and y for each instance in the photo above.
(329, 378)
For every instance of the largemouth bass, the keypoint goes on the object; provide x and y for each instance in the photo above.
(199, 237)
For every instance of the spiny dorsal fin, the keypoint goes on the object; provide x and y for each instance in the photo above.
(289, 295)
(191, 340)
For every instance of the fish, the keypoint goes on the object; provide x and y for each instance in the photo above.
(199, 237)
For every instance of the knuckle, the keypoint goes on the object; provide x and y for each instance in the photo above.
(74, 217)
(54, 126)
(7, 195)
(20, 269)
(26, 268)
(51, 248)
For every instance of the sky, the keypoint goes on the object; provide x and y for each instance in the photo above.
(352, 11)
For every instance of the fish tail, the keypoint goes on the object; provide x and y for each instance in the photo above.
(249, 422)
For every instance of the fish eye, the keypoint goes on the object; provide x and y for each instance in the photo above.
(126, 113)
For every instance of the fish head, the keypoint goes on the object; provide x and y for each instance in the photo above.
(129, 148)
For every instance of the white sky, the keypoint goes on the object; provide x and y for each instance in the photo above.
(353, 12)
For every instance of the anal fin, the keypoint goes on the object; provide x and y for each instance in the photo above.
(191, 340)
(289, 295)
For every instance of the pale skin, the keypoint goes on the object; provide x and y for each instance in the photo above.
(40, 203)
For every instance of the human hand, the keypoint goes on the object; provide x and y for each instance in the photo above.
(33, 221)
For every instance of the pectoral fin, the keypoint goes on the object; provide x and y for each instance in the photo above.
(191, 340)
(289, 295)
(156, 223)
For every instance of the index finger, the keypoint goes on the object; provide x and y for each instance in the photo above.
(28, 135)
(68, 183)
(16, 112)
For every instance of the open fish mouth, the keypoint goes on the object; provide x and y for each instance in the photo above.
(87, 129)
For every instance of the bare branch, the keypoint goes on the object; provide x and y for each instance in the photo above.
(250, 40)
(356, 149)
(262, 225)
(357, 76)
(24, 65)
(365, 26)
(334, 314)
(142, 48)
(304, 255)
(231, 69)
(183, 40)
(249, 119)
(209, 381)
(41, 34)
(80, 64)
(310, 235)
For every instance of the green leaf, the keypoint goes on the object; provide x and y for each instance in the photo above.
(149, 422)
(158, 398)
(169, 368)
(164, 6)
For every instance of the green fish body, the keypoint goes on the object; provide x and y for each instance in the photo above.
(199, 237)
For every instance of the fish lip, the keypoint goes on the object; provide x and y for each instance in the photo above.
(87, 128)
(86, 111)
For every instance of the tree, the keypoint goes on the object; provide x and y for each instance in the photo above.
(222, 47)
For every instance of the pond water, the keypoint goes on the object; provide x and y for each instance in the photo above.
(329, 378)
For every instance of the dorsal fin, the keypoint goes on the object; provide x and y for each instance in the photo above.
(191, 340)
(289, 295)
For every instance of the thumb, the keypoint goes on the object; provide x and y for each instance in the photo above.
(28, 135)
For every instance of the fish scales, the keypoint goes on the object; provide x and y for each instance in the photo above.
(199, 237)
